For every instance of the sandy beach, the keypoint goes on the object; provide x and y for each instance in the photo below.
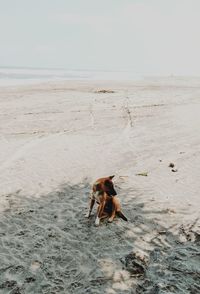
(56, 139)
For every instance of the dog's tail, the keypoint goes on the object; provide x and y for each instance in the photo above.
(120, 214)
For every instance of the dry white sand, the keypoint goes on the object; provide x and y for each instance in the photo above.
(55, 140)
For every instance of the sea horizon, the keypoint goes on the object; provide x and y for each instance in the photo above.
(16, 75)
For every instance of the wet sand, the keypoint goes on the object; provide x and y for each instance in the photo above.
(56, 139)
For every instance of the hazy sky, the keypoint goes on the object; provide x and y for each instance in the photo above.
(145, 36)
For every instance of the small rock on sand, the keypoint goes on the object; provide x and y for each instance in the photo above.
(171, 164)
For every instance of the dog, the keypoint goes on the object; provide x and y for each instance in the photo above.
(104, 194)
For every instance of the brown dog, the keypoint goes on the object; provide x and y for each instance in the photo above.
(104, 194)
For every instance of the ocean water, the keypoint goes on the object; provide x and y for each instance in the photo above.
(20, 76)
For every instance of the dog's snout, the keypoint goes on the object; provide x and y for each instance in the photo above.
(114, 193)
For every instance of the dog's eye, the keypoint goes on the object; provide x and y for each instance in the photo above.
(108, 183)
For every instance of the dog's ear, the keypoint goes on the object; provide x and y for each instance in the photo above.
(111, 177)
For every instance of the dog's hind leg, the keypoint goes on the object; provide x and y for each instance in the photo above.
(115, 207)
(116, 210)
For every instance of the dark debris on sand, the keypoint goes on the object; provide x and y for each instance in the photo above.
(169, 270)
(104, 91)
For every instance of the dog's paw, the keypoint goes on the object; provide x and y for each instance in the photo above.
(110, 220)
(97, 221)
(87, 214)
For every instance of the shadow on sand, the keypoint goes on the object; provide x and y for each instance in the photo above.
(47, 246)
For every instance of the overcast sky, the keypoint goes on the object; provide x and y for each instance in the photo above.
(145, 36)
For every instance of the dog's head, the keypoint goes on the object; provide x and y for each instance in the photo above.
(106, 185)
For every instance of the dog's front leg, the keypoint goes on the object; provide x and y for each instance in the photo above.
(100, 212)
(97, 220)
(92, 201)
